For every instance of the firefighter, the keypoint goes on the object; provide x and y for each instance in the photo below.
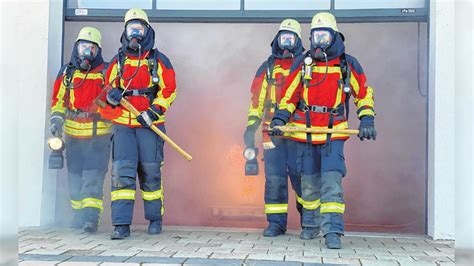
(317, 95)
(145, 77)
(279, 155)
(87, 136)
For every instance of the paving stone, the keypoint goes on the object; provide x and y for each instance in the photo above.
(341, 261)
(215, 249)
(410, 240)
(285, 252)
(308, 259)
(108, 247)
(271, 263)
(357, 256)
(99, 258)
(119, 252)
(371, 251)
(73, 252)
(157, 247)
(46, 251)
(250, 250)
(39, 257)
(78, 263)
(34, 263)
(156, 253)
(366, 262)
(449, 251)
(121, 264)
(192, 254)
(200, 261)
(394, 257)
(240, 256)
(320, 254)
(432, 259)
(416, 248)
(81, 246)
(162, 260)
(407, 253)
(266, 257)
(341, 251)
(418, 263)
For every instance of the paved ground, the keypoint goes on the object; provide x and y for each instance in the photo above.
(222, 246)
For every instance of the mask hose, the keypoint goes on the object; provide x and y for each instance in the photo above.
(325, 72)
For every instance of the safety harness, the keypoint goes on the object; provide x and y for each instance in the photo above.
(333, 112)
(75, 114)
(149, 92)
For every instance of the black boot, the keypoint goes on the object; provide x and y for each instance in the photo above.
(120, 232)
(333, 241)
(155, 227)
(273, 230)
(309, 233)
(90, 227)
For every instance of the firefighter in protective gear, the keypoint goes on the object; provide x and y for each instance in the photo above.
(146, 78)
(317, 95)
(87, 135)
(279, 155)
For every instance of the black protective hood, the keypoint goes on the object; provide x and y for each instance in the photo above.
(76, 61)
(278, 52)
(337, 48)
(147, 43)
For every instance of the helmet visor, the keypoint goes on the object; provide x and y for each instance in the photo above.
(87, 49)
(136, 29)
(287, 40)
(321, 38)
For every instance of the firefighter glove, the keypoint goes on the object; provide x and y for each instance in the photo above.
(276, 122)
(147, 117)
(114, 96)
(56, 125)
(367, 128)
(249, 136)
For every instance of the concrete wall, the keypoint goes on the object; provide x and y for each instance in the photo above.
(464, 145)
(441, 143)
(40, 46)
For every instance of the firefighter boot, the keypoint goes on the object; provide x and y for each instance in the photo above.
(273, 230)
(333, 241)
(309, 233)
(154, 228)
(90, 227)
(120, 232)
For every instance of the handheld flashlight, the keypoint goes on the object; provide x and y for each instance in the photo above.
(251, 166)
(56, 158)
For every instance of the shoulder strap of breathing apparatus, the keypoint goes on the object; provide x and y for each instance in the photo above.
(152, 58)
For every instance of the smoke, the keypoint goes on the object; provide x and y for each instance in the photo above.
(215, 65)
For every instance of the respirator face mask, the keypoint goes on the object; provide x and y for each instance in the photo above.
(87, 52)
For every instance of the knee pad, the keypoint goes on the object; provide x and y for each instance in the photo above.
(331, 187)
(124, 168)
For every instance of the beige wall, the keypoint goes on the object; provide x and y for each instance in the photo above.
(215, 64)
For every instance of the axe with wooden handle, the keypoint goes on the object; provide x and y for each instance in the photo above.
(127, 105)
(316, 130)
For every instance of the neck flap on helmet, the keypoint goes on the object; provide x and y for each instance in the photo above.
(77, 61)
(281, 54)
(147, 43)
(336, 49)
